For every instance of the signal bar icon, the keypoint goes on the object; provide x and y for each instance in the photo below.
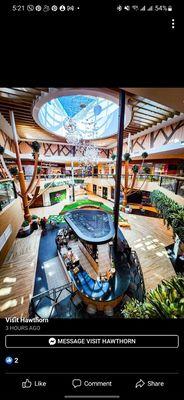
(127, 8)
(143, 8)
(135, 8)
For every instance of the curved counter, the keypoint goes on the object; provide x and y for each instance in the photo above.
(91, 226)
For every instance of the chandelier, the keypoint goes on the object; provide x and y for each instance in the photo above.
(79, 134)
(91, 154)
(72, 135)
(87, 153)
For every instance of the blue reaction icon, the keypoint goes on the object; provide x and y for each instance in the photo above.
(9, 360)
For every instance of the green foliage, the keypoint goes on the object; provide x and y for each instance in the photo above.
(127, 157)
(144, 154)
(58, 219)
(35, 146)
(85, 202)
(135, 309)
(135, 169)
(25, 223)
(171, 212)
(39, 170)
(113, 156)
(166, 301)
(34, 216)
(1, 150)
(14, 171)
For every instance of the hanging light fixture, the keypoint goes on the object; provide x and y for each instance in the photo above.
(78, 137)
(72, 135)
(91, 154)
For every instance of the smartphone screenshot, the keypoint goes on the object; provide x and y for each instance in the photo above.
(91, 198)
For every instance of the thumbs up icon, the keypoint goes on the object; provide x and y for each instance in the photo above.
(27, 384)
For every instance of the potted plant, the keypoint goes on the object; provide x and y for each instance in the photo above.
(34, 218)
(25, 226)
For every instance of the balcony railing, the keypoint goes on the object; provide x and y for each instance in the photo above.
(79, 177)
(173, 183)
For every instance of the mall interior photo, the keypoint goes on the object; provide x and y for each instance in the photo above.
(92, 202)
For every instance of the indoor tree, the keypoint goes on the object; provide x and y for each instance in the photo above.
(36, 148)
(128, 187)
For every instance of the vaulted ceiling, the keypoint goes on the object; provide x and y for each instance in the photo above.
(147, 112)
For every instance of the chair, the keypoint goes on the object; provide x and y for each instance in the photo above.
(109, 311)
(91, 309)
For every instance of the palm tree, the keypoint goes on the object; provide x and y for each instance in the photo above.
(36, 148)
(127, 189)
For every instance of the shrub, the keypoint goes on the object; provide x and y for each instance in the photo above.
(34, 217)
(25, 223)
(171, 212)
(166, 301)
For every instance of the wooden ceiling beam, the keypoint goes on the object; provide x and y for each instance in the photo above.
(14, 100)
(32, 91)
(16, 110)
(14, 92)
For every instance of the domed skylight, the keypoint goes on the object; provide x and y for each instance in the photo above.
(92, 117)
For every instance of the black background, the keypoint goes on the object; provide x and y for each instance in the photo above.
(98, 48)
(95, 49)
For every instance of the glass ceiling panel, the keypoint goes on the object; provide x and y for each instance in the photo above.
(155, 104)
(96, 116)
(145, 116)
(145, 111)
(153, 108)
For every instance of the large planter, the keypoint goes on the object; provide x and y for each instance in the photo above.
(26, 228)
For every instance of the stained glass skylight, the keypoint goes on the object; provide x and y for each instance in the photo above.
(94, 117)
